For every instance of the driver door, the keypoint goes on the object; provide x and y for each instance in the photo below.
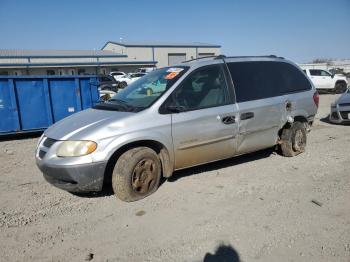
(204, 118)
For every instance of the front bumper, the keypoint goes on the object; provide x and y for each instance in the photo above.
(76, 178)
(339, 115)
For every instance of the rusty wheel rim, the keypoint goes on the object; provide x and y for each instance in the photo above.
(298, 140)
(144, 176)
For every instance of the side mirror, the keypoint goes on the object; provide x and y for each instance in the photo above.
(175, 108)
(332, 76)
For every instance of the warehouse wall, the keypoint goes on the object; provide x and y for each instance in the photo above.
(160, 53)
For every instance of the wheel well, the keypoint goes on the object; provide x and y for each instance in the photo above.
(340, 82)
(301, 119)
(158, 147)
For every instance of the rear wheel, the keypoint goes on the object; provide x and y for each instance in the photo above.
(340, 87)
(122, 85)
(136, 174)
(293, 139)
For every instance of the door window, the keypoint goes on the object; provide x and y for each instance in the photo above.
(204, 88)
(105, 79)
(315, 72)
(325, 73)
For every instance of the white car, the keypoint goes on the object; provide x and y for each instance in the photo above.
(137, 75)
(117, 74)
(129, 78)
(145, 69)
(325, 81)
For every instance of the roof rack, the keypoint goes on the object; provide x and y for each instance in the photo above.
(262, 56)
(203, 57)
(223, 57)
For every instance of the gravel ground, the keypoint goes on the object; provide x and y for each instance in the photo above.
(258, 207)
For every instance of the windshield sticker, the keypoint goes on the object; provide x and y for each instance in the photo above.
(171, 75)
(174, 70)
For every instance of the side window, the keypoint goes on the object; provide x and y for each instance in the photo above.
(263, 79)
(324, 73)
(315, 72)
(292, 79)
(255, 80)
(203, 88)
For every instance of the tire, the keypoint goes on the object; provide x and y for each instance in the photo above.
(136, 174)
(123, 85)
(293, 140)
(340, 88)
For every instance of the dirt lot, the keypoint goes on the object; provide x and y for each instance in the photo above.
(255, 208)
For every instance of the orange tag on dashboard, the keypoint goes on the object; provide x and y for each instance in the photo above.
(171, 75)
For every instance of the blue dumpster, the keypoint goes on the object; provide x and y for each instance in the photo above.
(32, 103)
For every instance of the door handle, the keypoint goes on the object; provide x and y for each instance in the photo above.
(288, 105)
(228, 120)
(247, 115)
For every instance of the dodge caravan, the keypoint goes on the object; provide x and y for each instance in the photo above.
(177, 117)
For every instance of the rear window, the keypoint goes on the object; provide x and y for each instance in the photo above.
(263, 79)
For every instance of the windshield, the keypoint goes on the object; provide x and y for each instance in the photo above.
(145, 91)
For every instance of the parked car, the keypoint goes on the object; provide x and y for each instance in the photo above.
(340, 109)
(128, 79)
(106, 94)
(136, 76)
(117, 74)
(325, 81)
(145, 69)
(107, 83)
(202, 111)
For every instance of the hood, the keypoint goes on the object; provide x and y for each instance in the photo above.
(342, 77)
(81, 124)
(344, 98)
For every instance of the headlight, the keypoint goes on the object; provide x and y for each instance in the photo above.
(76, 148)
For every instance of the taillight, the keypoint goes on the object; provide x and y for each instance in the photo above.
(316, 98)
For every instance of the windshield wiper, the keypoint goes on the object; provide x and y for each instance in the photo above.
(121, 103)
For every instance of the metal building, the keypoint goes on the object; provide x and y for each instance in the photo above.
(114, 56)
(163, 54)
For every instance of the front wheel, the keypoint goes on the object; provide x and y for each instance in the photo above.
(136, 174)
(293, 139)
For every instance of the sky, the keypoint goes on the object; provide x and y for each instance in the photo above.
(300, 30)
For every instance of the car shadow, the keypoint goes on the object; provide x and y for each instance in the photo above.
(20, 136)
(222, 253)
(108, 191)
(326, 120)
(221, 164)
(105, 192)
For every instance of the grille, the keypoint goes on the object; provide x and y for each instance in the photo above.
(344, 114)
(42, 154)
(49, 142)
(335, 115)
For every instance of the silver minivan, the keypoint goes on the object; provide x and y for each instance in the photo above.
(177, 117)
